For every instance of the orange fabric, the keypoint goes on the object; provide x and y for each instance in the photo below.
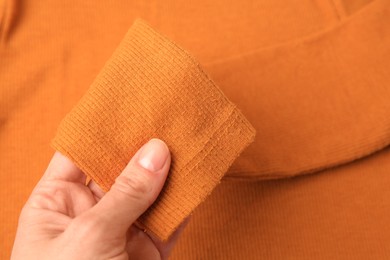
(151, 88)
(311, 76)
(323, 95)
(342, 213)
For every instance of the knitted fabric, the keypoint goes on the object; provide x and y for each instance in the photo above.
(152, 88)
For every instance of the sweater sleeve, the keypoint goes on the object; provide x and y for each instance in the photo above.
(317, 102)
(149, 88)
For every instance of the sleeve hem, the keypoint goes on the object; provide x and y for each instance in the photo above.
(151, 88)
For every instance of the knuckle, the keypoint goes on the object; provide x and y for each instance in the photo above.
(134, 184)
(84, 225)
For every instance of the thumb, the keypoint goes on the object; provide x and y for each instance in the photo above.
(135, 189)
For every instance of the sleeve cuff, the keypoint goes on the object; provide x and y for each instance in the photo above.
(150, 87)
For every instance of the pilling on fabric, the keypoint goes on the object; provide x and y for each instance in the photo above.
(152, 88)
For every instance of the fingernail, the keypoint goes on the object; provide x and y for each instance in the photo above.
(153, 155)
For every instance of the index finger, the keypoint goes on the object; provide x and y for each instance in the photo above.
(62, 168)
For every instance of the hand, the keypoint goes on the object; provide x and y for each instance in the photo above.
(65, 219)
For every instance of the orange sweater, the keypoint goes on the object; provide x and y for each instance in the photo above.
(311, 77)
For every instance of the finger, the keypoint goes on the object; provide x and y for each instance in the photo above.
(165, 247)
(61, 168)
(135, 189)
(97, 192)
(140, 246)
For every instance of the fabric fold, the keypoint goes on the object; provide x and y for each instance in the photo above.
(150, 87)
(316, 102)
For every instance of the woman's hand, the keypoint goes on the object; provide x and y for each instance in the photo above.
(65, 219)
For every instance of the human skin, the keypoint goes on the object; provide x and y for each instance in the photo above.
(66, 219)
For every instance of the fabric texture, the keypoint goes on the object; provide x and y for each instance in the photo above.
(311, 76)
(330, 102)
(152, 88)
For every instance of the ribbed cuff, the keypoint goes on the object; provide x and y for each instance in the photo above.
(151, 88)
